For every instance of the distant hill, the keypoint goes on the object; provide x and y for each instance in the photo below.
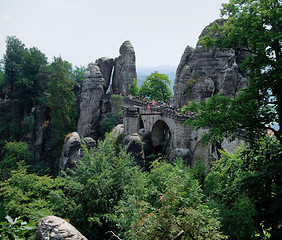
(144, 72)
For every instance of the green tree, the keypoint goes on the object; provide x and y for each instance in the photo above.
(246, 189)
(164, 203)
(24, 82)
(108, 123)
(28, 195)
(94, 189)
(61, 98)
(1, 79)
(133, 89)
(12, 60)
(226, 117)
(78, 74)
(156, 87)
(29, 88)
(14, 153)
(252, 26)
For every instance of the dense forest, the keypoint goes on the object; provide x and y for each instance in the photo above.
(240, 198)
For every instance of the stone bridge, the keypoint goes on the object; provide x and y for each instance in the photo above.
(165, 125)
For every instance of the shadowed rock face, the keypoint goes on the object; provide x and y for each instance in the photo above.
(202, 73)
(134, 145)
(106, 68)
(124, 69)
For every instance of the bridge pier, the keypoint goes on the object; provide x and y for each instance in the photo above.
(131, 120)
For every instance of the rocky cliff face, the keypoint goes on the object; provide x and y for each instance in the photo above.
(94, 103)
(92, 91)
(124, 69)
(202, 73)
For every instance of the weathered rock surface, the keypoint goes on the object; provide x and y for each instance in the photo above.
(36, 140)
(91, 94)
(90, 142)
(71, 152)
(52, 227)
(133, 143)
(106, 68)
(118, 130)
(202, 73)
(124, 69)
(183, 153)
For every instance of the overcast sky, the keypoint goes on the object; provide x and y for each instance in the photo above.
(83, 30)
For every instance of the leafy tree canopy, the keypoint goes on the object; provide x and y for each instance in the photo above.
(253, 26)
(14, 153)
(60, 97)
(29, 88)
(92, 192)
(246, 189)
(78, 74)
(133, 89)
(12, 60)
(1, 79)
(156, 87)
(164, 203)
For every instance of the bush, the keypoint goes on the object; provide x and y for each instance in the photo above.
(16, 229)
(167, 202)
(15, 153)
(28, 195)
(246, 189)
(93, 191)
(107, 124)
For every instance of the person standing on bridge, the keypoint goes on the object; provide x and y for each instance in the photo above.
(148, 109)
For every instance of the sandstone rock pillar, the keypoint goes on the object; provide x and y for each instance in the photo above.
(124, 69)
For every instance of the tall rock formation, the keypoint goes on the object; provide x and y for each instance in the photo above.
(202, 73)
(124, 69)
(91, 94)
(94, 102)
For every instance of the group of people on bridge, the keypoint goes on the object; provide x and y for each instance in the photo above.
(153, 103)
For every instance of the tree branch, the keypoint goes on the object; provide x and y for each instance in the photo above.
(179, 235)
(113, 235)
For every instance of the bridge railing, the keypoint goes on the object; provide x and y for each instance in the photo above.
(162, 109)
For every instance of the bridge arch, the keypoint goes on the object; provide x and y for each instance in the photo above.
(161, 137)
